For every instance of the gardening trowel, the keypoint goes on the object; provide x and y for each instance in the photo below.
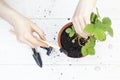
(37, 57)
(55, 46)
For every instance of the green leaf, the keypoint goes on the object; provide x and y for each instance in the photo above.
(73, 28)
(99, 34)
(68, 30)
(92, 38)
(93, 17)
(106, 20)
(90, 44)
(91, 51)
(71, 34)
(89, 47)
(110, 31)
(100, 25)
(89, 28)
(84, 51)
(98, 12)
(104, 27)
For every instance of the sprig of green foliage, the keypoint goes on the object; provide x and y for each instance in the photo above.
(89, 47)
(98, 29)
(70, 31)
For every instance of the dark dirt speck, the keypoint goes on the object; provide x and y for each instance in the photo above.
(54, 38)
(61, 74)
(68, 18)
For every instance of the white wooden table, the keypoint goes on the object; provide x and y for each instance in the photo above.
(17, 63)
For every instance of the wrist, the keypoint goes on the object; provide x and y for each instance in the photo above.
(9, 14)
(15, 18)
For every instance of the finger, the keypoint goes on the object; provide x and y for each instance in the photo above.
(81, 23)
(78, 29)
(42, 41)
(35, 41)
(23, 40)
(39, 32)
(86, 20)
(30, 44)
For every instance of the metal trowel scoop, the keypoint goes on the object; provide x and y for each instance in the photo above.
(37, 57)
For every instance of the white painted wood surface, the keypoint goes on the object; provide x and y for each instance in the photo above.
(17, 63)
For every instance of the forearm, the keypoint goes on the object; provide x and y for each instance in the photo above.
(8, 14)
(89, 4)
(81, 16)
(93, 2)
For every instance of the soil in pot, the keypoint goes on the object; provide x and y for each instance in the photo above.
(73, 49)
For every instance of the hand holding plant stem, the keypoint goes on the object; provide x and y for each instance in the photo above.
(81, 16)
(98, 27)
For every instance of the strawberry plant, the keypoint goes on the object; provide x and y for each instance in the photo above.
(98, 28)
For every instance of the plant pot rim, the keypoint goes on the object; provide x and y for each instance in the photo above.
(60, 32)
(59, 37)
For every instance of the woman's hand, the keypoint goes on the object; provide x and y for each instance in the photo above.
(23, 27)
(81, 16)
